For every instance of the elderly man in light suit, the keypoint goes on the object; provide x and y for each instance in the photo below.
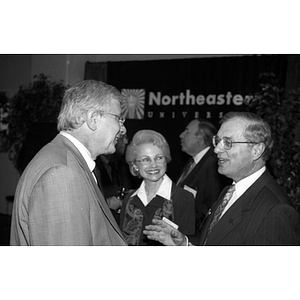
(255, 210)
(57, 200)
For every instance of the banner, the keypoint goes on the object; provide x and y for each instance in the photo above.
(165, 95)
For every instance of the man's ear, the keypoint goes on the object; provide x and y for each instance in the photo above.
(199, 136)
(91, 119)
(258, 150)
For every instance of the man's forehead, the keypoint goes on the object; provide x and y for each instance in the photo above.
(233, 126)
(193, 126)
(115, 105)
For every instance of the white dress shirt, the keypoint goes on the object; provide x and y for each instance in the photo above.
(242, 186)
(83, 151)
(199, 156)
(164, 190)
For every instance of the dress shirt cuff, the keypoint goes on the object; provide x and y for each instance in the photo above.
(187, 243)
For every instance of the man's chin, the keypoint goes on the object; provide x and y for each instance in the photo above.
(222, 170)
(110, 150)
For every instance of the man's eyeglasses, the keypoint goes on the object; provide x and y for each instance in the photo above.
(146, 161)
(226, 142)
(120, 119)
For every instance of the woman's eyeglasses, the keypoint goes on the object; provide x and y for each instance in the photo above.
(146, 161)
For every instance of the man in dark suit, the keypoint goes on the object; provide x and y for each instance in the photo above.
(202, 178)
(58, 201)
(256, 211)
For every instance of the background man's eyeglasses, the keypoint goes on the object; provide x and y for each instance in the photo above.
(146, 161)
(227, 143)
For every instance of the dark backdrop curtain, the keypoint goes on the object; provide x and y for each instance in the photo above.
(205, 76)
(97, 71)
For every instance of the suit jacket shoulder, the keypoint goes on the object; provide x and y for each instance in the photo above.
(263, 215)
(63, 203)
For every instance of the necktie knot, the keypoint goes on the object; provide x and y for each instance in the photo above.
(191, 163)
(96, 171)
(228, 195)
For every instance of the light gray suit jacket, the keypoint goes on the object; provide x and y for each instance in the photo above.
(58, 202)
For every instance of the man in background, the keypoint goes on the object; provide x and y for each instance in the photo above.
(200, 175)
(57, 200)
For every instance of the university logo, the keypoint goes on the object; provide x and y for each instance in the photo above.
(134, 105)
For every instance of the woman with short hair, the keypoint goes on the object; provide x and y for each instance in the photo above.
(158, 197)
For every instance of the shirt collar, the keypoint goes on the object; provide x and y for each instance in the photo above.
(82, 149)
(198, 156)
(164, 190)
(244, 184)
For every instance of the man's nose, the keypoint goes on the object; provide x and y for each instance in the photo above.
(219, 148)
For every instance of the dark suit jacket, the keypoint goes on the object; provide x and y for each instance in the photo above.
(58, 202)
(263, 215)
(111, 186)
(112, 183)
(208, 182)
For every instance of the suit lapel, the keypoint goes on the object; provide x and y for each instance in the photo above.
(100, 198)
(226, 224)
(233, 216)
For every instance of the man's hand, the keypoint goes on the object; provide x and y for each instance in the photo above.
(114, 203)
(165, 234)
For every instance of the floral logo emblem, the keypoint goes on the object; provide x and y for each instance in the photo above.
(134, 105)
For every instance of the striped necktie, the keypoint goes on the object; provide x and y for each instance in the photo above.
(221, 208)
(186, 171)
